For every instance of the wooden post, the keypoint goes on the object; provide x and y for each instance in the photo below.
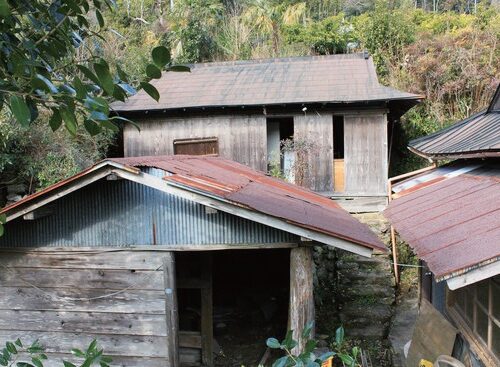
(171, 312)
(207, 332)
(301, 310)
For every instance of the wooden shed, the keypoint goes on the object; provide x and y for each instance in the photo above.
(167, 260)
(332, 107)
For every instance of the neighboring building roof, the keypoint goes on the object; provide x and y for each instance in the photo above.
(450, 216)
(476, 136)
(230, 187)
(347, 78)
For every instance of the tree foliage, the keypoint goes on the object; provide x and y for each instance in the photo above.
(51, 60)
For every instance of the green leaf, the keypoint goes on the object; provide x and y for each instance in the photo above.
(307, 330)
(4, 9)
(109, 125)
(281, 362)
(99, 116)
(2, 230)
(20, 110)
(81, 90)
(161, 56)
(36, 362)
(119, 118)
(153, 72)
(123, 76)
(99, 17)
(289, 343)
(347, 359)
(18, 341)
(68, 364)
(91, 127)
(179, 68)
(3, 220)
(273, 343)
(310, 345)
(105, 78)
(77, 352)
(339, 336)
(88, 73)
(49, 86)
(152, 91)
(325, 356)
(69, 120)
(11, 347)
(55, 120)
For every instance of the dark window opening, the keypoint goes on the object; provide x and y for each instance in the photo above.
(197, 146)
(338, 137)
(338, 154)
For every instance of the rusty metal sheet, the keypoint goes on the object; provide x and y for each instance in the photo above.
(255, 190)
(452, 224)
(244, 187)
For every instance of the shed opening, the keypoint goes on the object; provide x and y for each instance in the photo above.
(338, 153)
(248, 292)
(278, 130)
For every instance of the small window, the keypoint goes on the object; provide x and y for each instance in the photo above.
(478, 307)
(197, 146)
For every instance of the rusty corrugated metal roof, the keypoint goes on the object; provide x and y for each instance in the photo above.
(255, 190)
(241, 186)
(476, 136)
(314, 79)
(451, 216)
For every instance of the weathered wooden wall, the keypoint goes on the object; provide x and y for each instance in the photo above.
(241, 138)
(130, 325)
(365, 154)
(317, 130)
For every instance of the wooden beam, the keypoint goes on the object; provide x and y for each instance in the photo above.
(171, 313)
(301, 309)
(207, 332)
(147, 248)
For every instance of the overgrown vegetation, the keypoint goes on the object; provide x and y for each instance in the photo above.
(446, 51)
(17, 354)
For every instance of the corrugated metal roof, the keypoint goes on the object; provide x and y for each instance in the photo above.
(243, 187)
(476, 136)
(314, 79)
(255, 190)
(451, 216)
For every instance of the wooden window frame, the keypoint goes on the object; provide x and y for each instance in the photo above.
(212, 139)
(483, 348)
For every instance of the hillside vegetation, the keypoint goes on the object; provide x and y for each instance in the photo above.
(447, 52)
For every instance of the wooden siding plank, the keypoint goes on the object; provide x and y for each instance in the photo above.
(241, 138)
(95, 323)
(123, 345)
(365, 154)
(27, 298)
(317, 129)
(74, 258)
(83, 278)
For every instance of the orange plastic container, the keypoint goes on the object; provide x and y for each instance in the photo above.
(327, 363)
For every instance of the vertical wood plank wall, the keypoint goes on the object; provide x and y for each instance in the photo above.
(365, 154)
(317, 129)
(241, 138)
(129, 325)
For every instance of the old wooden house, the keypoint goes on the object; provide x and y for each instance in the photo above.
(332, 107)
(450, 216)
(167, 261)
